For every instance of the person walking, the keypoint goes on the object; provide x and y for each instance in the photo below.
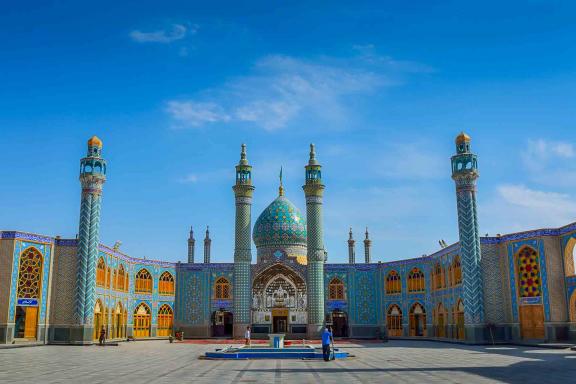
(102, 337)
(247, 341)
(326, 341)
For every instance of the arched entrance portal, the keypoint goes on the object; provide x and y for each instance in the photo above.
(531, 310)
(29, 291)
(142, 317)
(339, 323)
(417, 320)
(279, 300)
(222, 323)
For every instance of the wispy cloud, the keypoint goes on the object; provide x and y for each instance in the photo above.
(164, 36)
(550, 163)
(280, 89)
(517, 207)
(215, 176)
(196, 114)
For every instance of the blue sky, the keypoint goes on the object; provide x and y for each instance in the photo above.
(382, 88)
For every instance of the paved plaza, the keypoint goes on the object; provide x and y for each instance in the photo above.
(394, 362)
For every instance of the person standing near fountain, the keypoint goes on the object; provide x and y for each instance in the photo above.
(247, 336)
(326, 341)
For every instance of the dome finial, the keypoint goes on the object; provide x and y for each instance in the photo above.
(462, 138)
(95, 142)
(281, 187)
(243, 159)
(312, 160)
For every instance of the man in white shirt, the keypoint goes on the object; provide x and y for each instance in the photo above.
(247, 336)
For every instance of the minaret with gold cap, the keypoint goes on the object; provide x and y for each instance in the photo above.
(465, 173)
(351, 250)
(314, 190)
(243, 191)
(92, 178)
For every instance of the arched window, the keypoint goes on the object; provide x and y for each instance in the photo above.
(394, 320)
(457, 270)
(143, 282)
(438, 277)
(416, 282)
(528, 265)
(336, 289)
(166, 284)
(222, 289)
(142, 317)
(393, 283)
(101, 273)
(30, 274)
(417, 321)
(108, 277)
(165, 320)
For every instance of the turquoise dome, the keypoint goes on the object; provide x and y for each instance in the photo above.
(281, 223)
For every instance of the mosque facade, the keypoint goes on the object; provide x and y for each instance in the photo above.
(505, 288)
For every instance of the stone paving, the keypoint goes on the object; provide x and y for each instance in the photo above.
(393, 362)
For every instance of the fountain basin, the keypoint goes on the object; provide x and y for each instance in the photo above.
(264, 352)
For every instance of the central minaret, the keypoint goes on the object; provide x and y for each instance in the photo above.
(92, 179)
(191, 244)
(207, 244)
(314, 190)
(243, 191)
(367, 248)
(465, 174)
(351, 250)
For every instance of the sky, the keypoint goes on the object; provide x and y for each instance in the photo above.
(382, 88)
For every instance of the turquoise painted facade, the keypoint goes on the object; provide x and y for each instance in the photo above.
(472, 291)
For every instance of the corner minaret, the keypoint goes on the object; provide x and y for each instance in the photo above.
(243, 191)
(351, 250)
(191, 244)
(207, 243)
(314, 190)
(92, 178)
(367, 249)
(465, 174)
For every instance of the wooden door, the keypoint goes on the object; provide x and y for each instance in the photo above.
(532, 321)
(31, 322)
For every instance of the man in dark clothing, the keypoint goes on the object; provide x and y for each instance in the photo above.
(326, 341)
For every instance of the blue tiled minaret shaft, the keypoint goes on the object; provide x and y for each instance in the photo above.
(367, 248)
(243, 191)
(465, 173)
(207, 244)
(191, 244)
(351, 250)
(314, 189)
(92, 178)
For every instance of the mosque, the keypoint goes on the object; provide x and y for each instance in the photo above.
(508, 288)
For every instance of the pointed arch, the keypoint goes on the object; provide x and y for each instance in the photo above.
(143, 282)
(98, 318)
(165, 320)
(108, 277)
(459, 319)
(101, 273)
(394, 320)
(142, 320)
(417, 320)
(528, 269)
(416, 281)
(393, 283)
(437, 277)
(336, 289)
(222, 289)
(440, 320)
(570, 257)
(166, 284)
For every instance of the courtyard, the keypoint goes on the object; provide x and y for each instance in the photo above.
(394, 362)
